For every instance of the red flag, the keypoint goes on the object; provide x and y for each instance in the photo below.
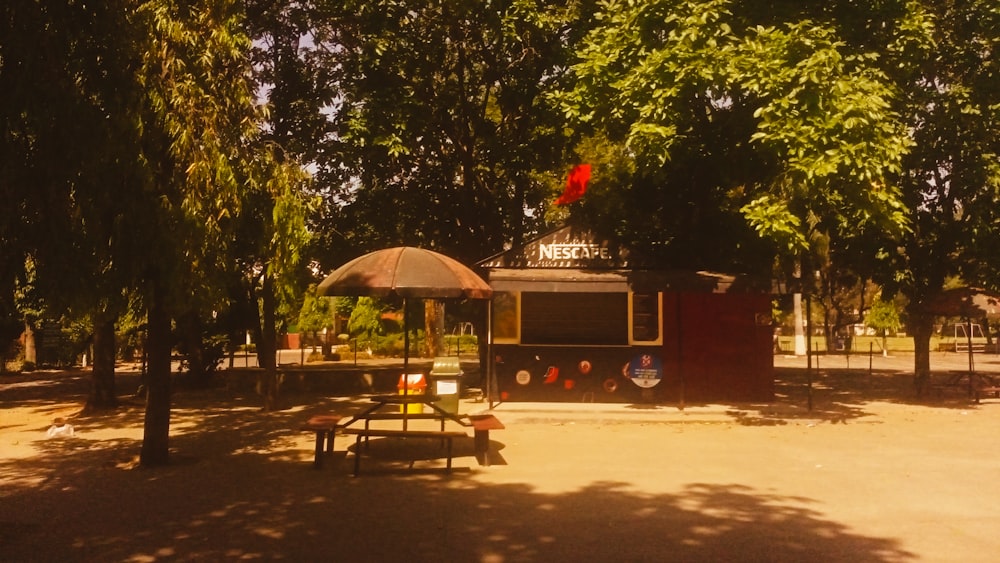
(576, 184)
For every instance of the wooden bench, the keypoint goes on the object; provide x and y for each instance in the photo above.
(988, 391)
(447, 436)
(978, 391)
(482, 424)
(325, 426)
(401, 416)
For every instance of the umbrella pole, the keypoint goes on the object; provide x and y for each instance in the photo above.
(406, 349)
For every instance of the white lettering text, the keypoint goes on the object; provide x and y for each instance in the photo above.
(573, 251)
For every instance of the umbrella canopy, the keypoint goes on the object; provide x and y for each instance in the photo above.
(406, 271)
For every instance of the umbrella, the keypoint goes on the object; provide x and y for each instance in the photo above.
(406, 271)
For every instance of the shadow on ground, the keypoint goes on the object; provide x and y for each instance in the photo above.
(253, 498)
(240, 487)
(839, 395)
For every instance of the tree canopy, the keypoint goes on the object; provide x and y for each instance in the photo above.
(732, 113)
(867, 129)
(442, 131)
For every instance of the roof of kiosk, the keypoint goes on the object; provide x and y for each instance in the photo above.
(574, 260)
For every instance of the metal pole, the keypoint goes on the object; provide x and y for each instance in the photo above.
(490, 375)
(871, 352)
(809, 354)
(968, 336)
(406, 347)
(680, 354)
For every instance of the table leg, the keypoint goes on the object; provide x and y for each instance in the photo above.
(318, 460)
(482, 446)
(449, 454)
(357, 455)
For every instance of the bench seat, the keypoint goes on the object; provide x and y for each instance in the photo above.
(447, 436)
(990, 390)
(481, 425)
(400, 416)
(325, 427)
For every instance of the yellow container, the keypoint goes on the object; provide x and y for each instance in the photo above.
(412, 384)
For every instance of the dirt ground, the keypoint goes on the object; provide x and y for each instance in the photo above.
(870, 473)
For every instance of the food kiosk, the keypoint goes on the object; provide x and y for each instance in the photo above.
(574, 320)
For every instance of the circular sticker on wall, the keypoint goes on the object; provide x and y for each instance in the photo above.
(645, 370)
(522, 377)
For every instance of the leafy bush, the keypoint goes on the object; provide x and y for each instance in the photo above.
(467, 343)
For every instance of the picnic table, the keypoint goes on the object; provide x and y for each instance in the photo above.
(404, 401)
(977, 383)
(382, 408)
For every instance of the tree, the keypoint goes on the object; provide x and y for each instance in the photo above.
(872, 125)
(289, 73)
(131, 142)
(884, 318)
(433, 328)
(413, 140)
(316, 315)
(443, 131)
(198, 117)
(943, 61)
(69, 159)
(275, 213)
(366, 318)
(735, 116)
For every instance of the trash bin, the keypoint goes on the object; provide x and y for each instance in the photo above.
(446, 377)
(412, 384)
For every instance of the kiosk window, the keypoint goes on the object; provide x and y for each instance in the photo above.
(574, 318)
(645, 317)
(505, 316)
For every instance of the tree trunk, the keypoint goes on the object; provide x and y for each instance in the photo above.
(30, 351)
(434, 328)
(190, 335)
(326, 346)
(102, 390)
(156, 429)
(267, 347)
(922, 327)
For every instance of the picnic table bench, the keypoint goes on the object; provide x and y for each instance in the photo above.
(481, 425)
(446, 435)
(988, 390)
(325, 426)
(400, 416)
(976, 384)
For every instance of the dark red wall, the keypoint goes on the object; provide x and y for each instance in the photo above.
(718, 346)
